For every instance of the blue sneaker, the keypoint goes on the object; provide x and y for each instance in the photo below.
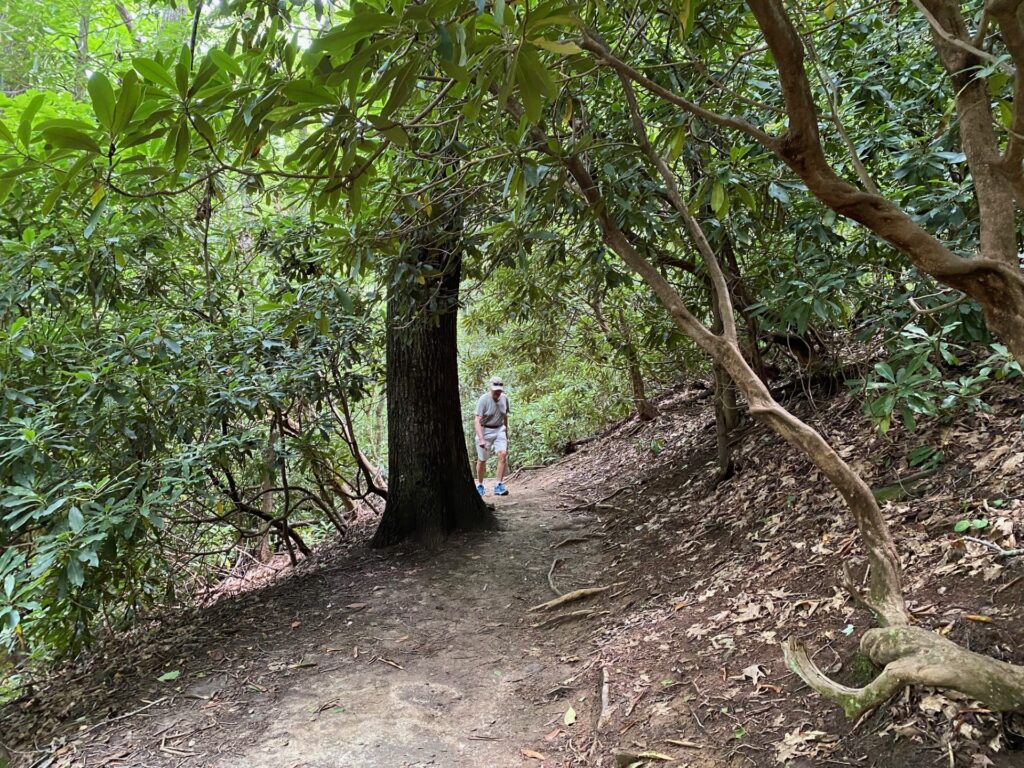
(500, 490)
(480, 489)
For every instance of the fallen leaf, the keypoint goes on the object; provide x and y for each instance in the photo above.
(166, 677)
(754, 673)
(684, 743)
(553, 735)
(978, 617)
(296, 624)
(532, 754)
(655, 756)
(356, 606)
(570, 716)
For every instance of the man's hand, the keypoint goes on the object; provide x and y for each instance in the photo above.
(480, 441)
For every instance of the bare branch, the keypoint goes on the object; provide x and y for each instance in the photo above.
(964, 45)
(594, 45)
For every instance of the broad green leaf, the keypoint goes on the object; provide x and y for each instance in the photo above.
(182, 69)
(563, 47)
(167, 677)
(153, 72)
(536, 74)
(225, 62)
(75, 572)
(6, 185)
(340, 40)
(402, 88)
(76, 521)
(102, 94)
(718, 199)
(25, 124)
(70, 138)
(94, 218)
(181, 146)
(306, 92)
(127, 102)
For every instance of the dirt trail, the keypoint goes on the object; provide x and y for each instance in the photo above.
(401, 658)
(440, 668)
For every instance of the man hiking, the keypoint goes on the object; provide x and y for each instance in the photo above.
(491, 426)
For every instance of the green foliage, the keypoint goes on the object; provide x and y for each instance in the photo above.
(972, 524)
(926, 375)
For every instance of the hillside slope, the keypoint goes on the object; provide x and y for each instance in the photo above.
(401, 658)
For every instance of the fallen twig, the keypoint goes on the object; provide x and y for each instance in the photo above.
(603, 499)
(684, 743)
(125, 716)
(1008, 585)
(606, 707)
(996, 548)
(570, 540)
(551, 571)
(569, 597)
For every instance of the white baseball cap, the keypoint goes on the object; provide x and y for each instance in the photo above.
(497, 385)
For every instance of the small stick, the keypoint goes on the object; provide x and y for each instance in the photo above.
(1008, 585)
(551, 572)
(603, 499)
(996, 548)
(570, 540)
(569, 597)
(110, 720)
(605, 704)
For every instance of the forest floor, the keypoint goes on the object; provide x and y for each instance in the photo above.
(401, 658)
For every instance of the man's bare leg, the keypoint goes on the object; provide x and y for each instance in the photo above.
(481, 470)
(502, 460)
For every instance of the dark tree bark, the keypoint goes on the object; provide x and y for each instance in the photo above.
(645, 409)
(430, 486)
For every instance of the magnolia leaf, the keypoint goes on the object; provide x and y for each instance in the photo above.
(25, 124)
(167, 677)
(70, 138)
(102, 94)
(127, 102)
(153, 72)
(570, 716)
(181, 146)
(563, 47)
(225, 61)
(76, 521)
(402, 88)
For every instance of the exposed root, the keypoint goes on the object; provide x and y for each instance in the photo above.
(915, 656)
(569, 597)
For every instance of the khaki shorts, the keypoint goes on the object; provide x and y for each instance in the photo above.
(495, 440)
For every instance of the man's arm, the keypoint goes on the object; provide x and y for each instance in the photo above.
(479, 430)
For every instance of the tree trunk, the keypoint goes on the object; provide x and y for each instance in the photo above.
(82, 45)
(645, 409)
(430, 487)
(263, 551)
